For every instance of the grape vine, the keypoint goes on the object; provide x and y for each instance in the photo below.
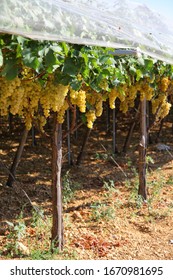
(38, 78)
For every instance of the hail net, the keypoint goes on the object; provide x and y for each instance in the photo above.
(114, 23)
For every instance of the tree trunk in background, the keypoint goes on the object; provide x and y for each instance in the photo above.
(114, 129)
(131, 129)
(80, 156)
(142, 151)
(17, 158)
(57, 222)
(10, 122)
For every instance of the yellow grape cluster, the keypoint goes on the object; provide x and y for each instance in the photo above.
(161, 106)
(19, 97)
(96, 99)
(91, 117)
(61, 112)
(52, 97)
(88, 96)
(78, 98)
(127, 95)
(30, 103)
(160, 103)
(104, 85)
(24, 96)
(11, 95)
(146, 91)
(164, 84)
(27, 73)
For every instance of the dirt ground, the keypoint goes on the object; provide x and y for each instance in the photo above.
(103, 216)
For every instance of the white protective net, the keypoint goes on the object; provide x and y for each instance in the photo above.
(112, 23)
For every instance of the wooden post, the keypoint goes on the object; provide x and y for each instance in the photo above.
(34, 143)
(142, 151)
(130, 132)
(17, 158)
(81, 154)
(115, 149)
(107, 117)
(68, 138)
(57, 239)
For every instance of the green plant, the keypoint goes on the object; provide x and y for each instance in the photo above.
(40, 254)
(102, 211)
(170, 180)
(69, 188)
(17, 232)
(110, 188)
(134, 197)
(102, 156)
(37, 217)
(149, 159)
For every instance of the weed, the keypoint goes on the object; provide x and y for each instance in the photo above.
(149, 160)
(102, 156)
(110, 188)
(69, 188)
(37, 218)
(17, 232)
(170, 181)
(41, 255)
(102, 211)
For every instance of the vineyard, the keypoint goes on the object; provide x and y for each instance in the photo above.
(103, 217)
(86, 129)
(94, 162)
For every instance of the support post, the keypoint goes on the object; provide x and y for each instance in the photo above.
(142, 151)
(57, 239)
(68, 137)
(17, 158)
(115, 149)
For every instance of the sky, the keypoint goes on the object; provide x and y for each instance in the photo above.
(164, 7)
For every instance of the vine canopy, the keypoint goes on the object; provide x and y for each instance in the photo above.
(113, 23)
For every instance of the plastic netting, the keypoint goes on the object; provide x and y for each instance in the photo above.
(113, 23)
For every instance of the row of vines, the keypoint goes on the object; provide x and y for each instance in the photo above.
(43, 79)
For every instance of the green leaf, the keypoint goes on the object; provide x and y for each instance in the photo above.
(1, 58)
(31, 59)
(21, 40)
(139, 75)
(119, 75)
(94, 86)
(85, 57)
(85, 73)
(10, 71)
(70, 68)
(63, 79)
(133, 69)
(149, 64)
(65, 47)
(76, 85)
(50, 59)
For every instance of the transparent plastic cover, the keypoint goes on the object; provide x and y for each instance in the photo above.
(113, 23)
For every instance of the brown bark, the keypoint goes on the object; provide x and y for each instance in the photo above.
(142, 152)
(130, 132)
(57, 239)
(115, 149)
(17, 158)
(81, 154)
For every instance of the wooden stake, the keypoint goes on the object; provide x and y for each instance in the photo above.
(57, 239)
(17, 158)
(142, 151)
